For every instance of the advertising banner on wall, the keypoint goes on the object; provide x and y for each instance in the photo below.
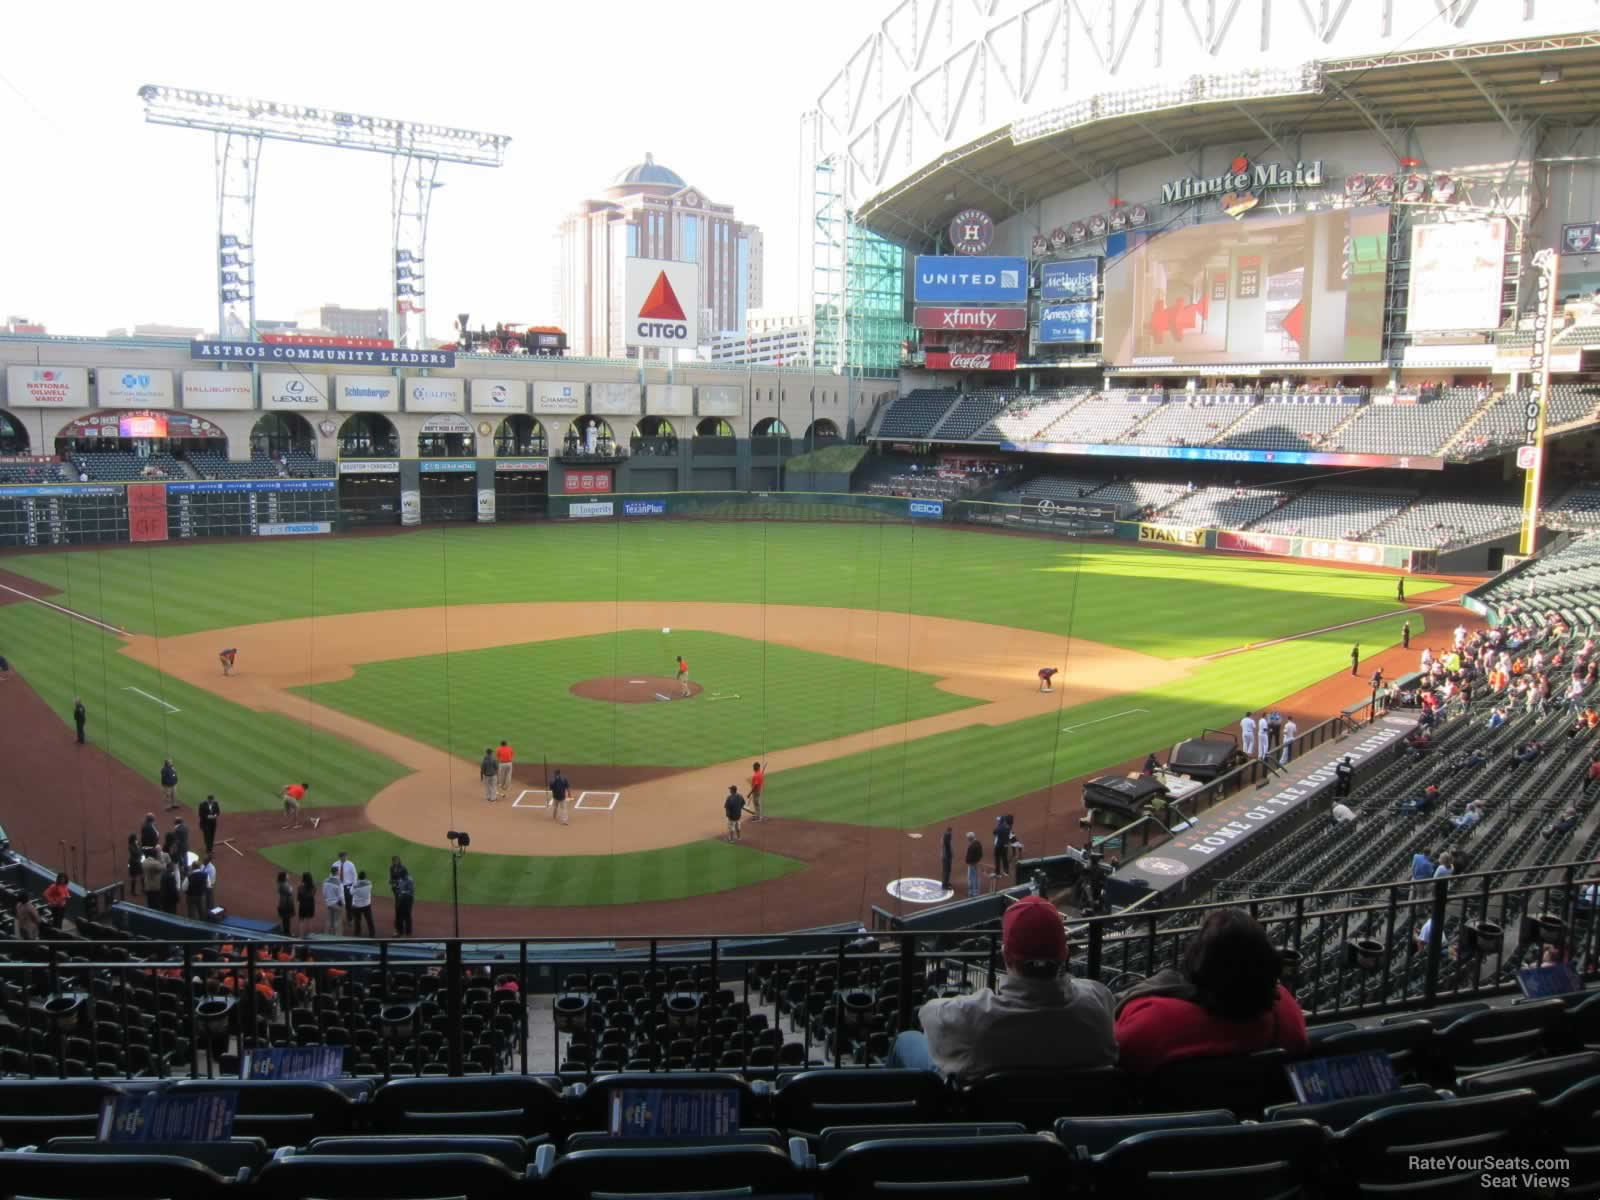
(942, 360)
(577, 483)
(410, 508)
(367, 393)
(592, 508)
(322, 356)
(499, 396)
(1172, 535)
(979, 320)
(218, 389)
(447, 423)
(1076, 279)
(294, 390)
(557, 398)
(369, 466)
(1066, 323)
(669, 400)
(960, 279)
(47, 387)
(431, 393)
(1457, 271)
(1582, 238)
(662, 301)
(721, 401)
(486, 506)
(615, 399)
(137, 387)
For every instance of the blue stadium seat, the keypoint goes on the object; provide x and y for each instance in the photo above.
(1381, 1151)
(674, 1169)
(1010, 1167)
(1039, 1098)
(1244, 1162)
(1407, 1044)
(513, 1105)
(285, 1112)
(813, 1100)
(32, 1111)
(1569, 1128)
(1244, 1084)
(388, 1177)
(831, 1141)
(515, 1152)
(588, 1105)
(1096, 1135)
(1341, 1114)
(97, 1176)
(1499, 1037)
(1548, 1077)
(236, 1158)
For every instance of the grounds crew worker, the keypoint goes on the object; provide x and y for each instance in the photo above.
(488, 773)
(503, 758)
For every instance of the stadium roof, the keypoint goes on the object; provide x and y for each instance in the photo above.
(1552, 80)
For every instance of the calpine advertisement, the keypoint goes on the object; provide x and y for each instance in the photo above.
(1172, 535)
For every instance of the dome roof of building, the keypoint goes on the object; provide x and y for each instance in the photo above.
(649, 172)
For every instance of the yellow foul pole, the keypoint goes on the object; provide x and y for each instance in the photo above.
(1530, 456)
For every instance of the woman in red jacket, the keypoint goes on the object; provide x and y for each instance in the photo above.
(1225, 998)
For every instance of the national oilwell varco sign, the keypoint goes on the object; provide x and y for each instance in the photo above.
(1244, 176)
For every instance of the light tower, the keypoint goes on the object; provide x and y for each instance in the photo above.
(239, 126)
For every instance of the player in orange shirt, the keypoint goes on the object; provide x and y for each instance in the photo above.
(503, 757)
(683, 674)
(293, 794)
(758, 780)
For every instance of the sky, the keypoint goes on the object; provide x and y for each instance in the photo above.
(107, 222)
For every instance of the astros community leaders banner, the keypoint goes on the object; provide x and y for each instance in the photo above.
(350, 356)
(662, 304)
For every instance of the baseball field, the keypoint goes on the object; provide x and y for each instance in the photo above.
(885, 672)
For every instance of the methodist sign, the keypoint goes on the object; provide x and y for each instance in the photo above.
(971, 319)
(955, 279)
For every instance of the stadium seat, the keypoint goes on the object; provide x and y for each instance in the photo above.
(831, 1141)
(32, 1111)
(1407, 1045)
(1379, 1153)
(97, 1176)
(1548, 1077)
(1039, 1098)
(236, 1158)
(506, 1105)
(387, 1177)
(812, 1100)
(1244, 1162)
(515, 1152)
(1498, 1037)
(642, 1172)
(284, 1112)
(1096, 1135)
(1341, 1114)
(1569, 1128)
(588, 1107)
(1245, 1084)
(1007, 1166)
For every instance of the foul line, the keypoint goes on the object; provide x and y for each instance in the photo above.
(1127, 712)
(65, 611)
(157, 699)
(1295, 637)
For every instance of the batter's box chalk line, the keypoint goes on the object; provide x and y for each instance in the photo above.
(1127, 712)
(525, 793)
(722, 696)
(667, 699)
(157, 699)
(610, 803)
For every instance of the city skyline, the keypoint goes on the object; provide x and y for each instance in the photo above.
(117, 228)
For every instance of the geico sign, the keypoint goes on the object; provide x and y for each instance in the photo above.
(662, 329)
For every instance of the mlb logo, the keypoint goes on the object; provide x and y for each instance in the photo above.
(1010, 280)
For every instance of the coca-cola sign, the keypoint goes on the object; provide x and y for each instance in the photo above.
(939, 360)
(980, 319)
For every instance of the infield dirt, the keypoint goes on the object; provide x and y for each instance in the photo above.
(993, 664)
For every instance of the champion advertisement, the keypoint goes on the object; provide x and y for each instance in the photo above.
(47, 387)
(1172, 535)
(1066, 323)
(218, 389)
(557, 399)
(1076, 279)
(344, 356)
(294, 390)
(662, 304)
(954, 279)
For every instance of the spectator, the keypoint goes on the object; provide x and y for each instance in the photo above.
(170, 886)
(27, 920)
(1038, 1017)
(1224, 998)
(55, 900)
(361, 905)
(285, 904)
(152, 868)
(306, 903)
(194, 894)
(1565, 824)
(1447, 865)
(405, 894)
(149, 835)
(1422, 869)
(974, 858)
(1469, 818)
(135, 864)
(1342, 813)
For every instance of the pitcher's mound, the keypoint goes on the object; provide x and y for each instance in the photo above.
(634, 689)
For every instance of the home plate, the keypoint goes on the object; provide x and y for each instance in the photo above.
(913, 835)
(636, 681)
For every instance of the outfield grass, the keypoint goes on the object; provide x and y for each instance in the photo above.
(574, 880)
(784, 697)
(242, 756)
(1167, 603)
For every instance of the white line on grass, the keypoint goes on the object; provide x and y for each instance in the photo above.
(77, 616)
(157, 699)
(1295, 637)
(1127, 712)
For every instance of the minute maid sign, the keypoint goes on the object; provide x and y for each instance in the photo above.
(1242, 179)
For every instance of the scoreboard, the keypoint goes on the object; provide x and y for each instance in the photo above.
(240, 508)
(88, 513)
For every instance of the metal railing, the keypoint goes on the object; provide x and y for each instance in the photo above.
(109, 1008)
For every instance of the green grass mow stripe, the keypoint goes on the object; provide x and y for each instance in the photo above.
(1168, 603)
(241, 755)
(785, 697)
(570, 881)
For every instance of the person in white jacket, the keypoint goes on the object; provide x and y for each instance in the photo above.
(333, 898)
(1247, 735)
(1290, 732)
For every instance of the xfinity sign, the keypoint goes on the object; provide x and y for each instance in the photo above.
(980, 319)
(662, 301)
(953, 279)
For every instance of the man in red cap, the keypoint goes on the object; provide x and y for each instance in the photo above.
(1039, 1016)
